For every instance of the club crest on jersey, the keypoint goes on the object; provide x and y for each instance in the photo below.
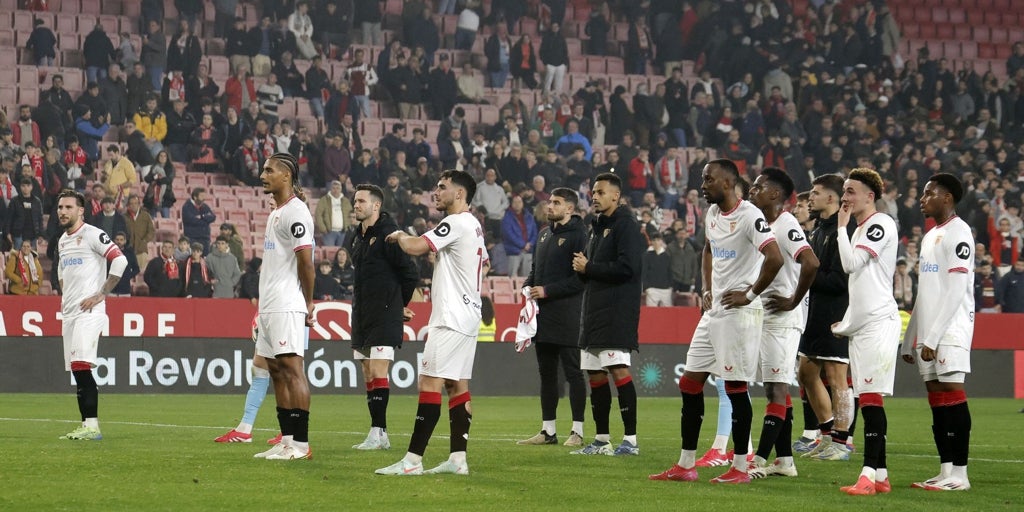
(732, 226)
(795, 235)
(875, 232)
(78, 240)
(442, 229)
(963, 250)
(298, 230)
(372, 240)
(607, 232)
(938, 240)
(761, 226)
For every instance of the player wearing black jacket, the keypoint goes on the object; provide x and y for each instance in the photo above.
(385, 278)
(558, 291)
(819, 348)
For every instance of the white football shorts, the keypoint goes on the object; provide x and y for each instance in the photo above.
(595, 359)
(727, 343)
(780, 340)
(281, 334)
(448, 354)
(81, 335)
(952, 363)
(873, 353)
(386, 353)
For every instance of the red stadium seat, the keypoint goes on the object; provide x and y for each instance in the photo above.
(912, 31)
(940, 15)
(968, 49)
(28, 95)
(922, 15)
(503, 297)
(957, 16)
(944, 31)
(962, 33)
(999, 36)
(1010, 19)
(993, 18)
(8, 95)
(986, 51)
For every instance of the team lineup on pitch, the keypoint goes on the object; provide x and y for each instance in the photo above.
(803, 296)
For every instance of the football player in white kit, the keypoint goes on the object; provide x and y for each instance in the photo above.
(872, 319)
(741, 259)
(939, 335)
(783, 321)
(454, 323)
(286, 304)
(84, 253)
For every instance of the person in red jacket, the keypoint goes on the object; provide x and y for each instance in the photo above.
(239, 89)
(639, 173)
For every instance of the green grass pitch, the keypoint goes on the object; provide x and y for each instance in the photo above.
(158, 454)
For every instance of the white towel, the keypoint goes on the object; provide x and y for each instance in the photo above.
(527, 327)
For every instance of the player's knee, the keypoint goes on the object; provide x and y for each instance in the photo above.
(735, 386)
(690, 386)
(871, 400)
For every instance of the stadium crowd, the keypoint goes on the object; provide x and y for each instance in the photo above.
(816, 92)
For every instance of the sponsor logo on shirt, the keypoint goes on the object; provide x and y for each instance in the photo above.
(467, 300)
(268, 245)
(875, 233)
(963, 250)
(927, 266)
(70, 261)
(725, 254)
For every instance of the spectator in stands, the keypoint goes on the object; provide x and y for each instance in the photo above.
(1010, 289)
(24, 271)
(154, 53)
(184, 51)
(240, 44)
(59, 97)
(223, 16)
(364, 169)
(331, 217)
(554, 52)
(442, 88)
(341, 104)
(523, 64)
(98, 51)
(567, 144)
(684, 262)
(118, 173)
(25, 130)
(491, 196)
(639, 47)
(153, 124)
(425, 178)
(91, 99)
(245, 164)
(452, 152)
(140, 86)
(159, 194)
(180, 124)
(270, 95)
(196, 217)
(124, 286)
(423, 33)
(113, 92)
(395, 141)
(343, 273)
(471, 87)
(232, 132)
(109, 220)
(199, 280)
(597, 29)
(369, 13)
(657, 273)
(189, 10)
(318, 87)
(43, 44)
(301, 26)
(325, 287)
(239, 90)
(337, 159)
(223, 270)
(466, 27)
(90, 131)
(249, 284)
(204, 147)
(547, 127)
(140, 230)
(457, 119)
(519, 234)
(362, 77)
(498, 49)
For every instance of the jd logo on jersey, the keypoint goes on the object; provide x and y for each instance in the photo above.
(298, 230)
(762, 226)
(795, 235)
(442, 229)
(875, 233)
(963, 250)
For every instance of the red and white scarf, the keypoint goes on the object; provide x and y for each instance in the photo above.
(28, 270)
(203, 270)
(171, 268)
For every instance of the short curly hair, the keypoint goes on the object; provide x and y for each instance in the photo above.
(869, 178)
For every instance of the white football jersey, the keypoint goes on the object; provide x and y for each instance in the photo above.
(736, 238)
(944, 311)
(792, 241)
(83, 267)
(289, 230)
(871, 291)
(455, 287)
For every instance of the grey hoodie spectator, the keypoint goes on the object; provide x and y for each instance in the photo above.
(224, 267)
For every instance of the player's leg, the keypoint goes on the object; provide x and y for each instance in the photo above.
(947, 392)
(375, 362)
(626, 391)
(547, 366)
(292, 377)
(809, 375)
(460, 417)
(835, 444)
(570, 357)
(253, 400)
(428, 412)
(81, 337)
(778, 349)
(600, 405)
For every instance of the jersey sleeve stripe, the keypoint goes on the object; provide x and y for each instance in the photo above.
(112, 253)
(800, 251)
(869, 250)
(960, 270)
(301, 247)
(766, 243)
(431, 244)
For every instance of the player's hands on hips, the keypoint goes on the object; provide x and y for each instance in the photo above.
(927, 354)
(537, 292)
(407, 314)
(310, 319)
(707, 300)
(844, 215)
(776, 303)
(92, 301)
(395, 236)
(735, 299)
(579, 263)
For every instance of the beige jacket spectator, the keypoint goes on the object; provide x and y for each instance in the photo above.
(118, 172)
(140, 229)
